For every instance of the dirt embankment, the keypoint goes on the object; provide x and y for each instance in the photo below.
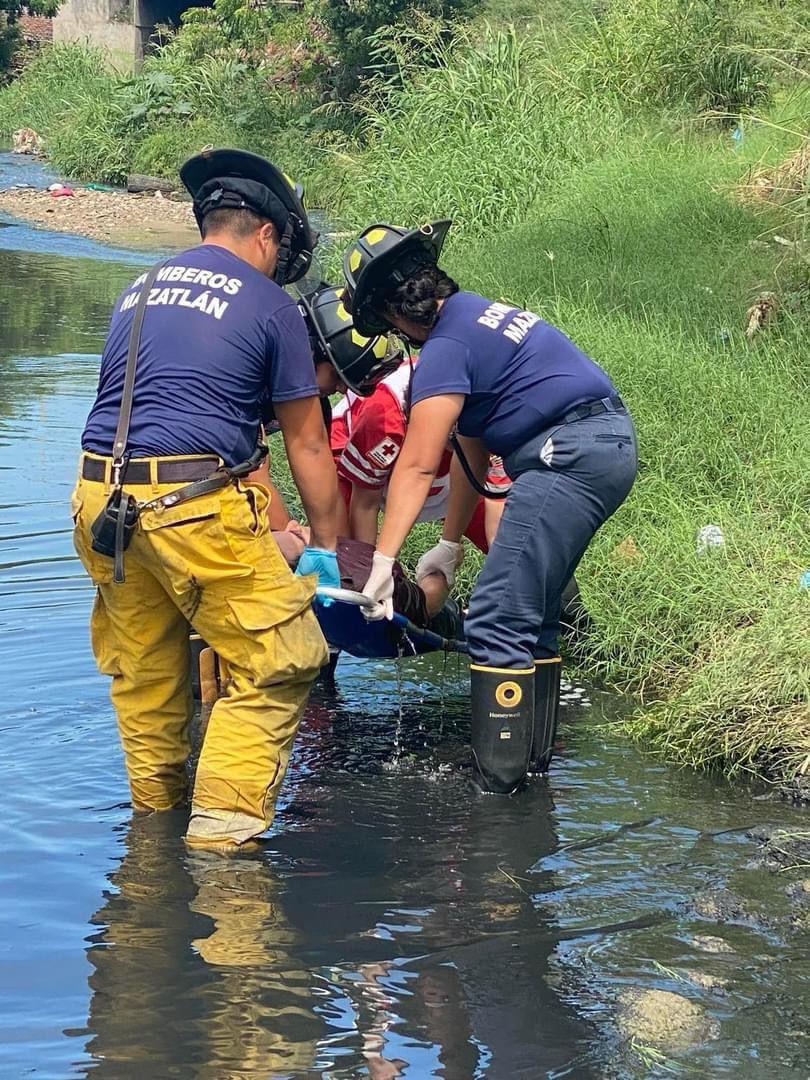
(134, 221)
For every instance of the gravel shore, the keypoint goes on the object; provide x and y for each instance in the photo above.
(135, 221)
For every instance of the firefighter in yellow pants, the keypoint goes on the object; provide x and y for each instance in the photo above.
(218, 345)
(211, 562)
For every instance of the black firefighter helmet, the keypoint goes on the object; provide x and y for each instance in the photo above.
(239, 180)
(382, 257)
(360, 361)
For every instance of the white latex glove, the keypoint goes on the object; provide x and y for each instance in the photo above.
(380, 587)
(441, 559)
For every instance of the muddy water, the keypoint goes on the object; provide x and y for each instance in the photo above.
(614, 921)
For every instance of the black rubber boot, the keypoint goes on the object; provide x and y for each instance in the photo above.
(546, 712)
(502, 712)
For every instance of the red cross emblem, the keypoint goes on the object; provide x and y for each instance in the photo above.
(384, 453)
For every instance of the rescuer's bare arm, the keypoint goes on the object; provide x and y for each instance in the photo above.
(363, 511)
(429, 428)
(312, 467)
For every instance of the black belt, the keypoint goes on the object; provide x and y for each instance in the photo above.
(594, 408)
(169, 470)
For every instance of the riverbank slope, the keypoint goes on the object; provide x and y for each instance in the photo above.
(649, 259)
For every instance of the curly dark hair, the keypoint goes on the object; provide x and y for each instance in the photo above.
(417, 297)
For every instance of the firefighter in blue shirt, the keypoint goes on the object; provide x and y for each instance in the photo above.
(514, 386)
(221, 341)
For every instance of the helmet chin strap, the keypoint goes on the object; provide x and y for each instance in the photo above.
(284, 253)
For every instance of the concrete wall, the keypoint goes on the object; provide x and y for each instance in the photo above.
(122, 28)
(108, 24)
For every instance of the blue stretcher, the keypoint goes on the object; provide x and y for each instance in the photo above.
(345, 628)
(346, 631)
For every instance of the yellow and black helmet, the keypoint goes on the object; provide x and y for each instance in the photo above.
(238, 180)
(382, 257)
(361, 362)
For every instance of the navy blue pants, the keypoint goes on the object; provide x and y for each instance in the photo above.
(567, 482)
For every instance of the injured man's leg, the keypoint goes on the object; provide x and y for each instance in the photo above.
(435, 590)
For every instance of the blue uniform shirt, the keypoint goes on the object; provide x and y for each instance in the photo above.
(220, 341)
(519, 374)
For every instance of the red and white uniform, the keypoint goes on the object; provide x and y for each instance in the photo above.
(366, 437)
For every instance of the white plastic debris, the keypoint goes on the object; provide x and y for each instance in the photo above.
(709, 537)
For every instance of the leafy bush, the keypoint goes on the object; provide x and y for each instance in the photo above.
(100, 125)
(10, 10)
(9, 41)
(229, 27)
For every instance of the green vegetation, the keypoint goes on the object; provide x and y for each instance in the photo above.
(608, 170)
(353, 27)
(646, 258)
(100, 124)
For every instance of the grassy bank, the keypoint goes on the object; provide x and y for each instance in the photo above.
(650, 262)
(596, 174)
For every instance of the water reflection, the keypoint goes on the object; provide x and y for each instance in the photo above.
(194, 966)
(488, 970)
(53, 306)
(240, 967)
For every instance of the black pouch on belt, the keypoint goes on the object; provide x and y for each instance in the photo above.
(113, 528)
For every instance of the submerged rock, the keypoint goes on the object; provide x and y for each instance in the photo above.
(720, 907)
(709, 943)
(705, 981)
(797, 791)
(723, 906)
(799, 892)
(799, 895)
(782, 848)
(668, 1022)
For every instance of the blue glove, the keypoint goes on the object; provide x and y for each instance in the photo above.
(324, 564)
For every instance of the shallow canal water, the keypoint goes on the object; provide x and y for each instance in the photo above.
(397, 923)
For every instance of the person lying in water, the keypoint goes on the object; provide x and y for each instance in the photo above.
(366, 436)
(424, 599)
(367, 425)
(348, 363)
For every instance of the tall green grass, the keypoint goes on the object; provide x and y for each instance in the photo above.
(699, 53)
(476, 132)
(639, 247)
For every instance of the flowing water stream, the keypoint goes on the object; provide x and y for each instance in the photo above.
(615, 920)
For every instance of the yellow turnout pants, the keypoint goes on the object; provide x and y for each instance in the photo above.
(213, 563)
